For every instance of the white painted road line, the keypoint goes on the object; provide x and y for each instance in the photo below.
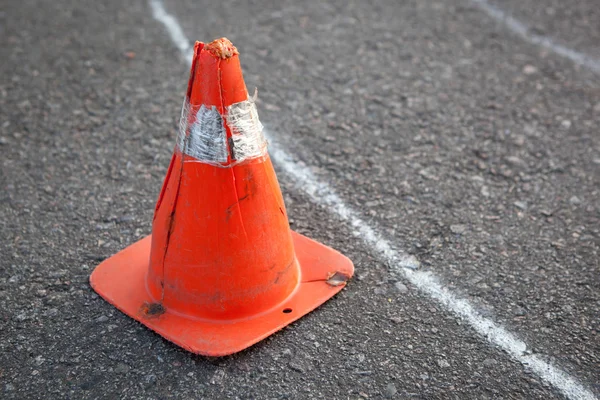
(523, 30)
(399, 262)
(402, 265)
(174, 29)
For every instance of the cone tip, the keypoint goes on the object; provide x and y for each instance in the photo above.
(221, 48)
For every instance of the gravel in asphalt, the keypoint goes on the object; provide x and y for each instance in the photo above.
(471, 149)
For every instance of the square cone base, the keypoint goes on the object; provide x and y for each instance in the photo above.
(121, 280)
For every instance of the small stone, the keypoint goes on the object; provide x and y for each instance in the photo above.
(519, 140)
(520, 311)
(516, 161)
(103, 227)
(529, 69)
(443, 363)
(9, 387)
(485, 191)
(297, 365)
(565, 123)
(458, 229)
(53, 312)
(150, 379)
(125, 218)
(521, 205)
(575, 200)
(122, 368)
(410, 262)
(102, 318)
(401, 287)
(379, 291)
(390, 390)
(428, 173)
(90, 383)
(489, 362)
(218, 377)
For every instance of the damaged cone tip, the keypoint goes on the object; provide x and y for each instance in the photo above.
(222, 269)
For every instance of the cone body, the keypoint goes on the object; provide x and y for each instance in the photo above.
(221, 246)
(224, 269)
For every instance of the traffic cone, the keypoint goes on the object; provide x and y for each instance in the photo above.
(222, 270)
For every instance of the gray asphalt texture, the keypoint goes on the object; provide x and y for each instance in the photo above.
(471, 149)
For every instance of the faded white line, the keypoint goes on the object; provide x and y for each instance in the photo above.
(173, 28)
(403, 265)
(523, 30)
(399, 262)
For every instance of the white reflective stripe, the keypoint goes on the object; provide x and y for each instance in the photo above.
(206, 138)
(203, 136)
(246, 131)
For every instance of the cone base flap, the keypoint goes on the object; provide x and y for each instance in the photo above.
(121, 280)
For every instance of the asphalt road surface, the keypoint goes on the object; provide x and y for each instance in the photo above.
(450, 134)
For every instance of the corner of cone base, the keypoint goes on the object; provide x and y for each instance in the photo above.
(222, 269)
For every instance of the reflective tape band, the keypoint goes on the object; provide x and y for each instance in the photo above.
(246, 131)
(203, 136)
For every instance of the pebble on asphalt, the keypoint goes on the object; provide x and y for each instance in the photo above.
(390, 390)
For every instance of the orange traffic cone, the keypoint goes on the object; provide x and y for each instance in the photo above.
(221, 270)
